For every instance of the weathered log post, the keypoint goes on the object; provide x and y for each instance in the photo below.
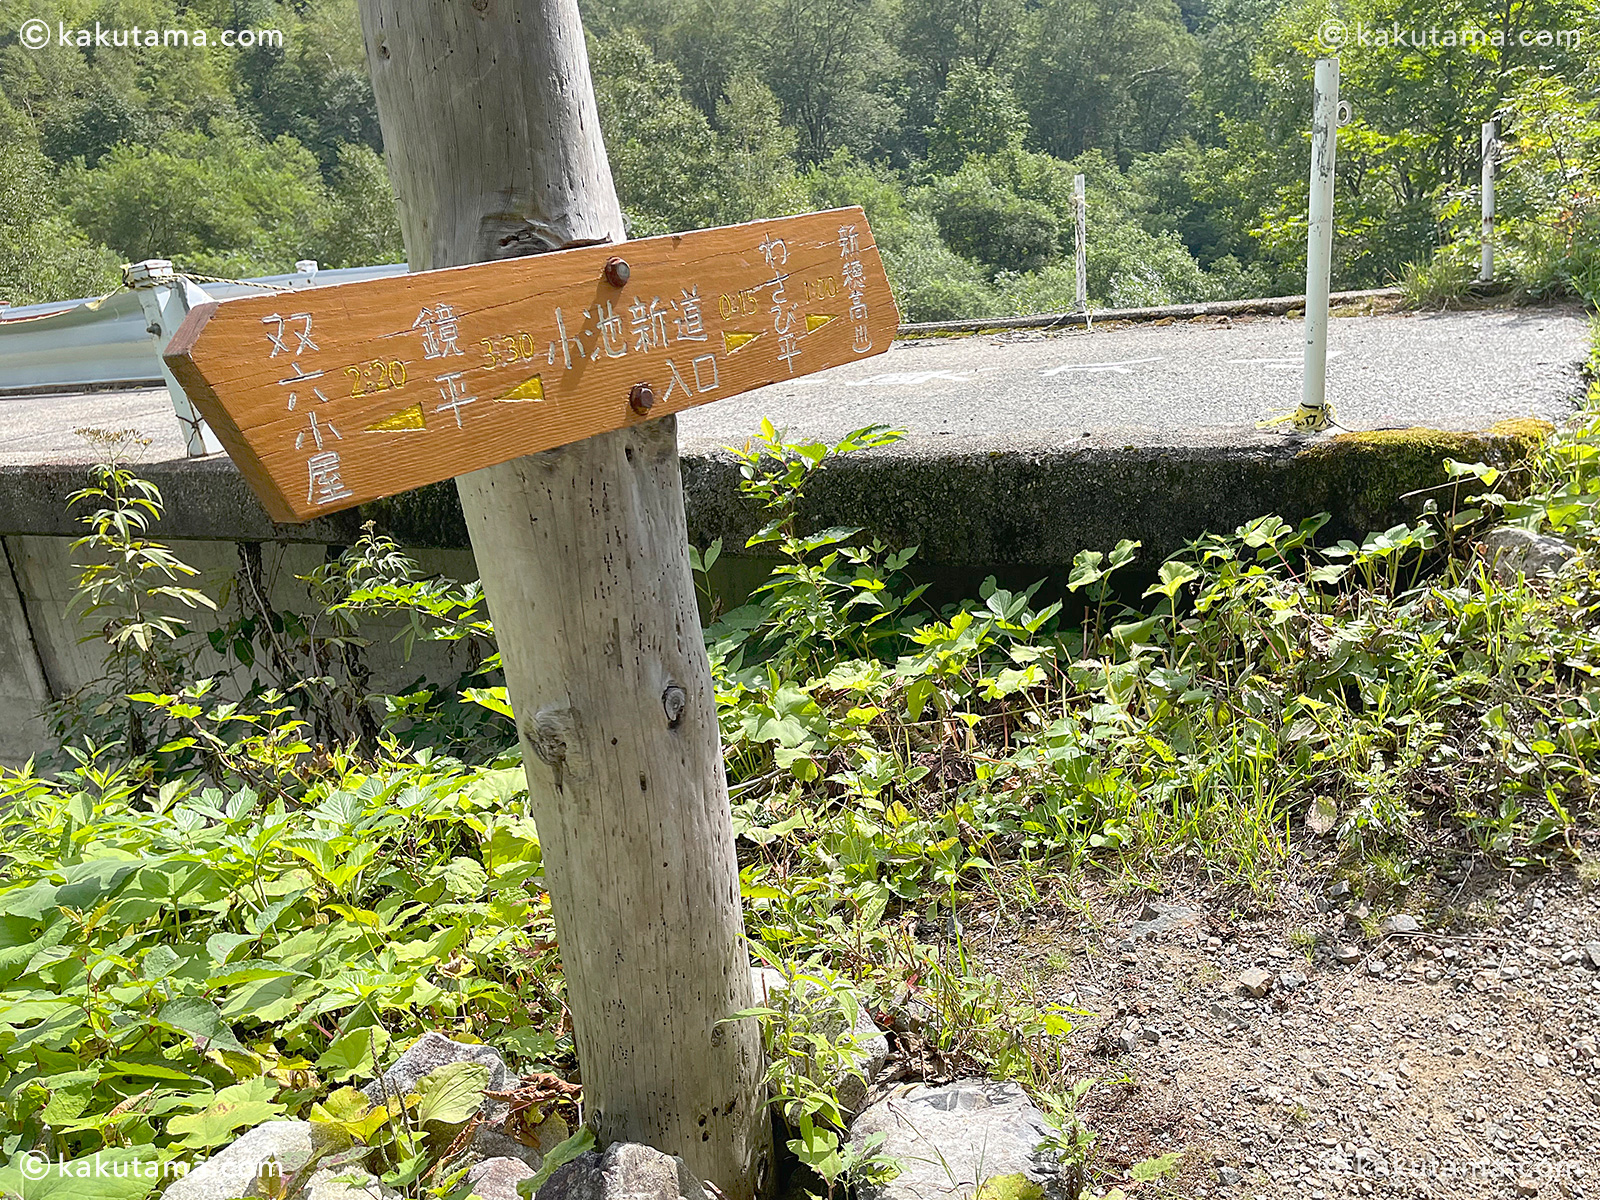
(494, 148)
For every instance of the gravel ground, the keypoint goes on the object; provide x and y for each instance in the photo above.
(1413, 1055)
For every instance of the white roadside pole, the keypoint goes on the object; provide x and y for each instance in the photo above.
(1314, 413)
(1491, 145)
(1080, 246)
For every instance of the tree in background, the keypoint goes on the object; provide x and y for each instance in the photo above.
(314, 88)
(936, 35)
(1107, 74)
(662, 148)
(978, 115)
(223, 201)
(957, 123)
(359, 227)
(820, 58)
(43, 255)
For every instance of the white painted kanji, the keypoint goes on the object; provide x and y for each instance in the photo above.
(688, 319)
(648, 324)
(453, 395)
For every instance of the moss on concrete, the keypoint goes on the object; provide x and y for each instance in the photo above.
(1360, 477)
(427, 516)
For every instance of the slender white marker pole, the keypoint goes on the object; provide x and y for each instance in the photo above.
(1319, 238)
(1080, 246)
(1490, 145)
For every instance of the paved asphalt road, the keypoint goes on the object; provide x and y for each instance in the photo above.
(1173, 383)
(1189, 382)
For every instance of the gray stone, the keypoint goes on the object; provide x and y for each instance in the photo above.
(1159, 916)
(1592, 951)
(1347, 954)
(950, 1139)
(233, 1171)
(1291, 980)
(426, 1055)
(626, 1171)
(873, 1043)
(1512, 552)
(493, 1143)
(1401, 925)
(1339, 892)
(347, 1183)
(1229, 1019)
(497, 1178)
(1228, 1177)
(1256, 981)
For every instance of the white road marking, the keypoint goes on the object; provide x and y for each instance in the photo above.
(908, 379)
(1124, 367)
(1275, 362)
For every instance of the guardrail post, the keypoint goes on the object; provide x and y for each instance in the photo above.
(1319, 243)
(1080, 244)
(1491, 146)
(166, 298)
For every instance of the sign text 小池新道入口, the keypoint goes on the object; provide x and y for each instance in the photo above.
(330, 397)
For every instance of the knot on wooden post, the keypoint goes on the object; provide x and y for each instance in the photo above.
(674, 700)
(549, 735)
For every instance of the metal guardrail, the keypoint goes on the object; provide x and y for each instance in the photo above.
(115, 342)
(89, 344)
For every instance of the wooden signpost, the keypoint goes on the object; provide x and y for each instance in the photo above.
(538, 357)
(330, 397)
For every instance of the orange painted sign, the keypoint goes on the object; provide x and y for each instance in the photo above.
(330, 397)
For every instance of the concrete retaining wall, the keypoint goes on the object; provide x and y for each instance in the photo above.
(969, 508)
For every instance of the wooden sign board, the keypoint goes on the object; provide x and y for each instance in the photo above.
(330, 397)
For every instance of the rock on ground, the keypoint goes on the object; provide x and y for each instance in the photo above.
(497, 1178)
(426, 1055)
(951, 1139)
(626, 1171)
(1256, 981)
(490, 1143)
(349, 1183)
(1159, 916)
(1512, 552)
(873, 1042)
(233, 1171)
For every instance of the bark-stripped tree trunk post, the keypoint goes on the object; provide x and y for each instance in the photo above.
(494, 148)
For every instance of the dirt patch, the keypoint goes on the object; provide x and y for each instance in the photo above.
(1456, 1060)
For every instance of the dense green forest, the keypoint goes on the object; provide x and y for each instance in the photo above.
(959, 124)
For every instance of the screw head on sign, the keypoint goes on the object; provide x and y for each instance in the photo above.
(642, 398)
(617, 271)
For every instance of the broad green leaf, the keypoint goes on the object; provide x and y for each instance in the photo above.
(222, 945)
(91, 882)
(452, 1093)
(1016, 1186)
(120, 1174)
(560, 1155)
(465, 878)
(160, 962)
(201, 1020)
(32, 902)
(352, 1053)
(242, 1106)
